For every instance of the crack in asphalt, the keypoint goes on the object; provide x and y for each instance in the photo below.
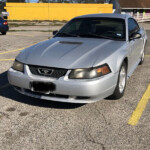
(89, 138)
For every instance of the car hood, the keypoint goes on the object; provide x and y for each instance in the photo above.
(69, 53)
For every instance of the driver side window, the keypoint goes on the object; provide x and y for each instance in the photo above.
(132, 26)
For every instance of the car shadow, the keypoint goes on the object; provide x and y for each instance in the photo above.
(7, 91)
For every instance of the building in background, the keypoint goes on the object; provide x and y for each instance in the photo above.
(139, 9)
(116, 5)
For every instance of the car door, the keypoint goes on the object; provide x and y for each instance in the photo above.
(140, 41)
(135, 46)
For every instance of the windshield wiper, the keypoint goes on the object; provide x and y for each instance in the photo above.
(66, 34)
(111, 38)
(89, 35)
(98, 36)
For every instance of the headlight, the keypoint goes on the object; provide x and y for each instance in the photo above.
(89, 73)
(18, 66)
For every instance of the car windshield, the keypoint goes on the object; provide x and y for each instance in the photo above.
(109, 28)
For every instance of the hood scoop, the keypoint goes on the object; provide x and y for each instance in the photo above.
(68, 42)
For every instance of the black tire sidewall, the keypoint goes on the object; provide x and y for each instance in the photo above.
(142, 61)
(117, 94)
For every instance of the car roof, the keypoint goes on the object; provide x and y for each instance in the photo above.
(121, 16)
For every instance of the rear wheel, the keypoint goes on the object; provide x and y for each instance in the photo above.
(3, 33)
(121, 84)
(143, 55)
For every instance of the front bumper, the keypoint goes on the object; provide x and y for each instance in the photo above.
(67, 90)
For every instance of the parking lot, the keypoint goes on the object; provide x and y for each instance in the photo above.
(28, 123)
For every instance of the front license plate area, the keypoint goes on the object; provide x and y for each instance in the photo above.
(42, 87)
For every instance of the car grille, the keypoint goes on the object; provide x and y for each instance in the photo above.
(56, 73)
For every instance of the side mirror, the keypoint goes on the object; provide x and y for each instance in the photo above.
(135, 36)
(54, 32)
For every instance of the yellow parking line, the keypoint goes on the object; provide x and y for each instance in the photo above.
(7, 59)
(12, 51)
(147, 55)
(4, 86)
(20, 48)
(140, 108)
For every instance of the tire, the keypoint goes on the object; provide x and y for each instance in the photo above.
(142, 58)
(3, 33)
(143, 55)
(121, 85)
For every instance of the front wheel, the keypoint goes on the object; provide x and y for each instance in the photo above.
(121, 83)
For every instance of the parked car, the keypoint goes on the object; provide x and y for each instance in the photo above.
(89, 59)
(3, 26)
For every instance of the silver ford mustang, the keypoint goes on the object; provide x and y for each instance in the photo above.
(89, 59)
